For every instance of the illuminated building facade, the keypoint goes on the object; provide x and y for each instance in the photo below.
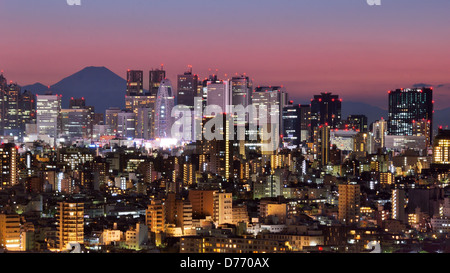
(407, 106)
(70, 224)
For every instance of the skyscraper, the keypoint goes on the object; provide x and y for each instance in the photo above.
(291, 125)
(163, 110)
(218, 93)
(135, 83)
(48, 109)
(3, 101)
(12, 110)
(241, 90)
(27, 111)
(325, 109)
(9, 165)
(407, 106)
(441, 149)
(379, 131)
(156, 77)
(187, 88)
(271, 100)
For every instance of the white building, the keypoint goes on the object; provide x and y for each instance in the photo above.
(48, 109)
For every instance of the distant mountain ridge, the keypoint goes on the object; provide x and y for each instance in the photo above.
(101, 88)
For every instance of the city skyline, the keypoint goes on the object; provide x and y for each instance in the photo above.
(343, 47)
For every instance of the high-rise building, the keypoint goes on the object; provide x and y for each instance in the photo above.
(218, 93)
(325, 109)
(223, 208)
(12, 110)
(379, 131)
(126, 122)
(163, 110)
(135, 83)
(9, 165)
(291, 125)
(187, 89)
(70, 224)
(155, 216)
(141, 106)
(441, 148)
(349, 203)
(111, 119)
(271, 100)
(156, 77)
(3, 101)
(322, 144)
(358, 122)
(10, 232)
(48, 109)
(241, 93)
(74, 123)
(398, 202)
(407, 106)
(27, 111)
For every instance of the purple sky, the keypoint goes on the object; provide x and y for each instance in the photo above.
(342, 46)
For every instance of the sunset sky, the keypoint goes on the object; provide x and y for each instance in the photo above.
(342, 46)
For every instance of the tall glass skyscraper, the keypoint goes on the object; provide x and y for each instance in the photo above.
(135, 83)
(187, 89)
(406, 106)
(163, 110)
(325, 110)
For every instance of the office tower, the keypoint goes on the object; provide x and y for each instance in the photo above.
(408, 105)
(219, 145)
(305, 123)
(80, 104)
(272, 99)
(292, 125)
(223, 208)
(241, 95)
(70, 223)
(163, 110)
(111, 116)
(187, 88)
(48, 109)
(10, 232)
(325, 109)
(142, 107)
(11, 126)
(362, 143)
(398, 205)
(75, 123)
(349, 203)
(143, 123)
(358, 122)
(441, 148)
(156, 77)
(135, 83)
(3, 101)
(322, 144)
(379, 131)
(27, 111)
(218, 93)
(422, 128)
(126, 122)
(9, 165)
